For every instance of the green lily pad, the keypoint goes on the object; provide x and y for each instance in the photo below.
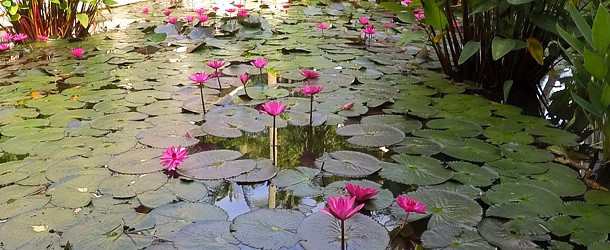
(116, 121)
(215, 165)
(299, 181)
(256, 230)
(462, 127)
(417, 146)
(473, 150)
(167, 136)
(127, 186)
(471, 174)
(371, 135)
(598, 197)
(14, 207)
(206, 234)
(525, 153)
(322, 231)
(396, 121)
(495, 233)
(139, 161)
(538, 199)
(263, 171)
(74, 191)
(37, 229)
(523, 219)
(349, 163)
(497, 137)
(174, 190)
(171, 218)
(453, 237)
(418, 170)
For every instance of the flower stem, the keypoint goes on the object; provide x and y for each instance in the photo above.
(342, 235)
(273, 141)
(311, 111)
(404, 223)
(202, 101)
(218, 78)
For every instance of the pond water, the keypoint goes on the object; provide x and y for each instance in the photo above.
(82, 140)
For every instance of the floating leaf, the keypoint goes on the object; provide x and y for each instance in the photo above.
(396, 121)
(299, 181)
(349, 164)
(471, 174)
(206, 234)
(473, 150)
(418, 170)
(167, 136)
(453, 237)
(495, 233)
(381, 200)
(171, 218)
(322, 231)
(418, 146)
(127, 186)
(256, 230)
(24, 231)
(525, 153)
(371, 135)
(263, 171)
(139, 161)
(215, 165)
(538, 199)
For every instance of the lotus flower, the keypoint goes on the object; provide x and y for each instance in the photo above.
(369, 30)
(387, 25)
(274, 108)
(420, 16)
(363, 20)
(322, 27)
(200, 11)
(172, 20)
(215, 64)
(360, 193)
(259, 63)
(78, 52)
(215, 8)
(42, 38)
(167, 12)
(200, 77)
(309, 74)
(310, 90)
(173, 157)
(19, 37)
(242, 13)
(347, 106)
(189, 18)
(203, 18)
(457, 25)
(286, 6)
(406, 2)
(230, 10)
(239, 5)
(342, 208)
(145, 10)
(410, 204)
(4, 46)
(8, 37)
(244, 80)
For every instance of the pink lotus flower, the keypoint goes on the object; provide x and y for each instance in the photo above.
(456, 25)
(172, 20)
(410, 204)
(309, 74)
(239, 5)
(78, 52)
(286, 6)
(203, 18)
(43, 38)
(418, 10)
(20, 37)
(420, 16)
(322, 26)
(363, 20)
(274, 108)
(310, 90)
(173, 157)
(360, 193)
(406, 2)
(230, 10)
(8, 37)
(341, 208)
(244, 78)
(200, 11)
(259, 63)
(200, 77)
(189, 18)
(369, 30)
(242, 13)
(4, 46)
(167, 12)
(215, 8)
(215, 64)
(387, 25)
(347, 106)
(215, 74)
(145, 10)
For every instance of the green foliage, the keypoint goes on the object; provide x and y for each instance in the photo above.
(590, 59)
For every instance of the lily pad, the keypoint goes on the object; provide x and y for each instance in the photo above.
(127, 186)
(471, 174)
(74, 191)
(453, 237)
(495, 233)
(263, 171)
(171, 218)
(538, 199)
(396, 121)
(381, 200)
(473, 150)
(36, 229)
(349, 163)
(322, 231)
(299, 181)
(371, 135)
(167, 136)
(525, 153)
(417, 146)
(215, 165)
(418, 170)
(256, 230)
(206, 234)
(139, 161)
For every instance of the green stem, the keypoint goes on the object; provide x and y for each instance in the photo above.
(218, 78)
(311, 111)
(342, 235)
(273, 141)
(202, 101)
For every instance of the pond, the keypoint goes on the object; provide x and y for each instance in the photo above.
(82, 140)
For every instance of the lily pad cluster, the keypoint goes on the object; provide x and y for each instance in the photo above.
(82, 138)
